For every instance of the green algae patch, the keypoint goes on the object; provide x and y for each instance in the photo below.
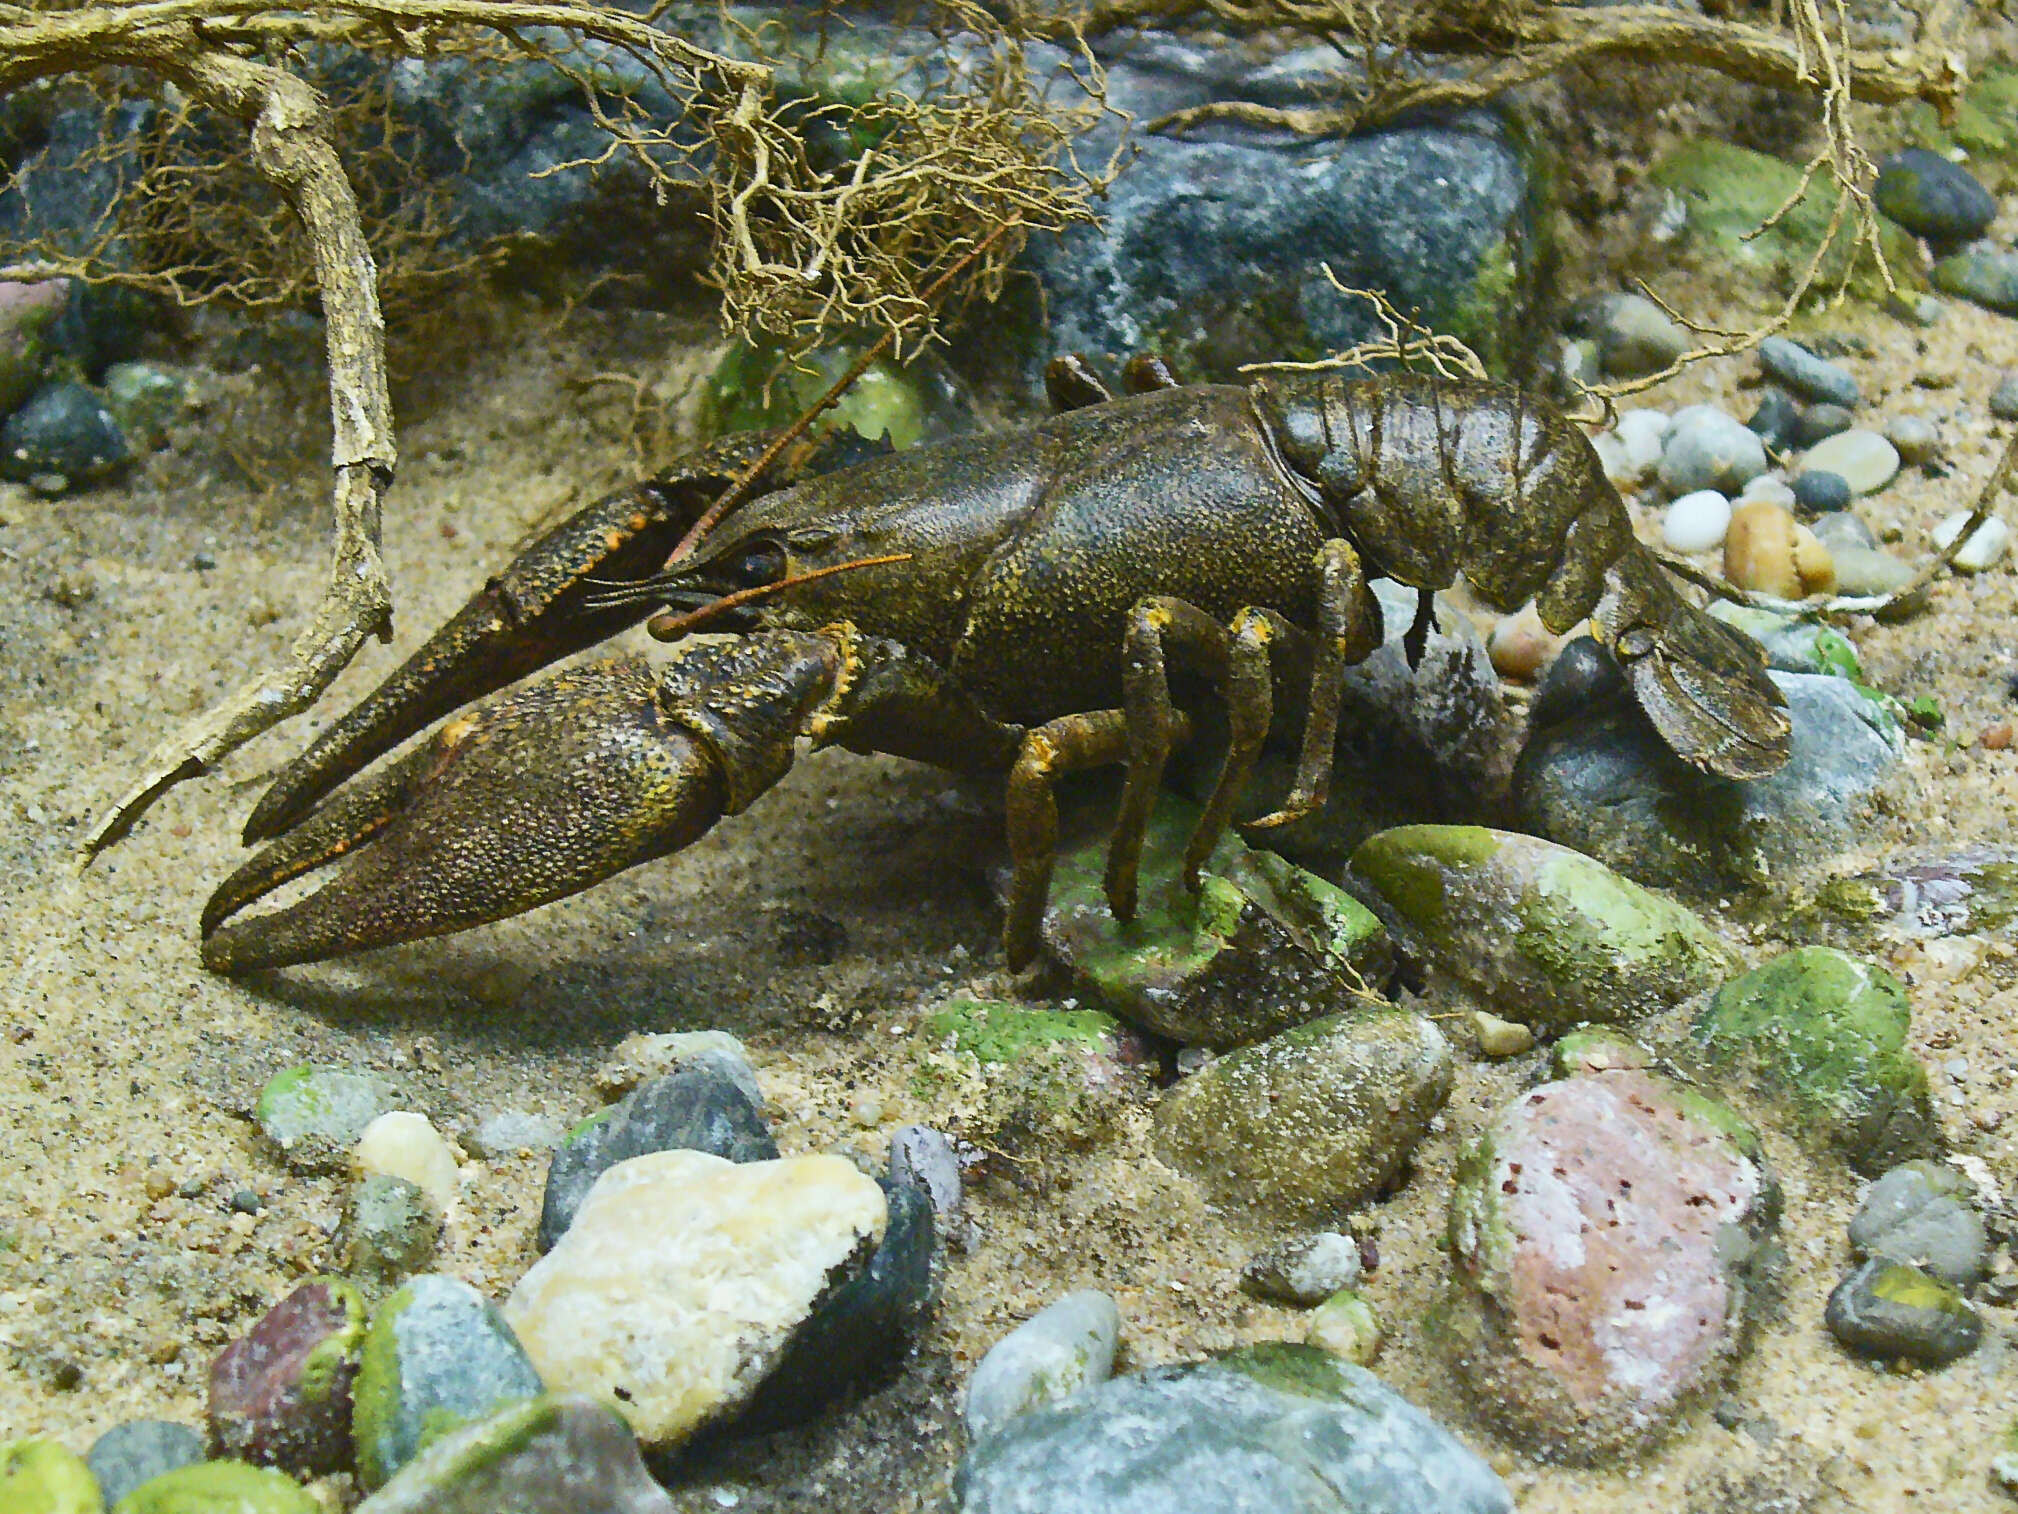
(219, 1487)
(43, 1477)
(1731, 192)
(1301, 1371)
(1544, 935)
(754, 387)
(1825, 1033)
(998, 1033)
(1262, 946)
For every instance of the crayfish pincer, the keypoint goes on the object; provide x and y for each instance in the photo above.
(1028, 602)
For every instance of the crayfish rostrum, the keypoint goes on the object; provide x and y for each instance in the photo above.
(1018, 601)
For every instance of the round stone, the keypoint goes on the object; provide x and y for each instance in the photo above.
(1891, 1309)
(316, 1114)
(1868, 572)
(1520, 644)
(1766, 550)
(1985, 547)
(1818, 491)
(1709, 450)
(132, 1453)
(1914, 438)
(45, 1477)
(1500, 1038)
(1638, 338)
(1985, 275)
(1920, 1212)
(390, 1229)
(1864, 459)
(1807, 375)
(1696, 522)
(1305, 1271)
(1932, 197)
(2004, 398)
(402, 1144)
(64, 429)
(1054, 1355)
(1582, 677)
(1776, 419)
(1345, 1325)
(218, 1485)
(280, 1395)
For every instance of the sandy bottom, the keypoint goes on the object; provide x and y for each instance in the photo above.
(126, 1071)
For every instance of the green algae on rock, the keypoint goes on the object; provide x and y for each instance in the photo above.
(43, 1477)
(316, 1114)
(219, 1487)
(1826, 1033)
(1541, 933)
(1262, 946)
(1596, 1048)
(1891, 1310)
(1312, 1122)
(1033, 1071)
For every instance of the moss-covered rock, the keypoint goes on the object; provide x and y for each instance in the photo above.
(1730, 192)
(44, 1477)
(1826, 1034)
(1313, 1122)
(1018, 1074)
(219, 1487)
(1543, 934)
(1985, 127)
(754, 387)
(1262, 946)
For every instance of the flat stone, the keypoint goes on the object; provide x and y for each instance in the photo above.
(1596, 1048)
(1312, 1122)
(1600, 1232)
(1915, 438)
(1266, 1430)
(1864, 459)
(1058, 1353)
(926, 1159)
(1305, 1271)
(505, 1134)
(1809, 376)
(1868, 571)
(280, 1395)
(1893, 1310)
(316, 1114)
(684, 1278)
(1985, 547)
(1932, 197)
(2004, 398)
(1817, 423)
(1535, 929)
(555, 1455)
(438, 1354)
(1987, 276)
(1827, 1033)
(135, 1452)
(1056, 1076)
(698, 1107)
(1921, 1212)
(642, 1058)
(1263, 945)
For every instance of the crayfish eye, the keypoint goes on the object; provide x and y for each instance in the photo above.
(763, 564)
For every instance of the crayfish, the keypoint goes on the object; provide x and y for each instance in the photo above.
(1023, 602)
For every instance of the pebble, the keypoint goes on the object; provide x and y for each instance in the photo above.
(1776, 419)
(1708, 450)
(1267, 1428)
(1696, 522)
(1865, 460)
(1050, 1358)
(316, 1114)
(1987, 276)
(1792, 644)
(1984, 549)
(1826, 1032)
(1818, 491)
(1583, 677)
(1346, 1326)
(1535, 929)
(1932, 197)
(1500, 1038)
(1769, 487)
(1311, 1122)
(1840, 530)
(44, 1477)
(1643, 433)
(641, 1058)
(438, 1354)
(1817, 423)
(699, 1107)
(925, 1158)
(505, 1134)
(26, 311)
(1601, 1233)
(1866, 571)
(1768, 551)
(219, 1487)
(1520, 644)
(553, 1455)
(1807, 375)
(135, 1452)
(143, 400)
(1914, 438)
(64, 429)
(2004, 398)
(1305, 1271)
(1637, 337)
(1596, 1048)
(402, 1144)
(1894, 1310)
(280, 1395)
(685, 1276)
(390, 1230)
(1920, 1212)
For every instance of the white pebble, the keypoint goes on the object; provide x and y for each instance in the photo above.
(406, 1145)
(1696, 522)
(1865, 459)
(1769, 487)
(1985, 547)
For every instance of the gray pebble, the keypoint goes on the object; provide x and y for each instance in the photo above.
(1820, 422)
(1866, 571)
(1818, 491)
(1984, 274)
(1776, 419)
(510, 1131)
(1056, 1354)
(1809, 376)
(1582, 677)
(128, 1455)
(2004, 398)
(1843, 528)
(1707, 449)
(1889, 1309)
(1305, 1271)
(1920, 1212)
(315, 1114)
(390, 1229)
(1638, 338)
(1914, 437)
(925, 1158)
(1932, 197)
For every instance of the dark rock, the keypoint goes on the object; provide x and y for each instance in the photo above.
(926, 1159)
(1891, 1310)
(1932, 197)
(1584, 677)
(1277, 1428)
(65, 429)
(281, 1394)
(1986, 275)
(695, 1108)
(1820, 422)
(1817, 492)
(137, 1451)
(1811, 377)
(1776, 420)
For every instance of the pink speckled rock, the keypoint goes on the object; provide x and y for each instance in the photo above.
(1601, 1232)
